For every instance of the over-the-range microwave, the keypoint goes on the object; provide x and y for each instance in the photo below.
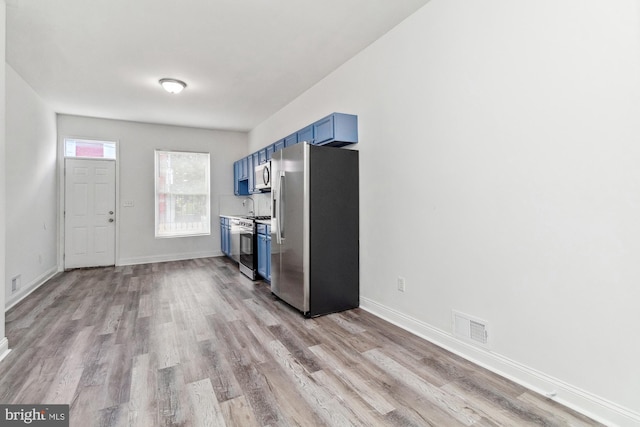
(262, 177)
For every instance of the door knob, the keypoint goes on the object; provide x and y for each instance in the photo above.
(110, 212)
(110, 219)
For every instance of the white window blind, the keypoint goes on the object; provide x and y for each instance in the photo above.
(182, 194)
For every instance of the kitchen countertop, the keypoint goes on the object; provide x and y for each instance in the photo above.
(233, 215)
(245, 216)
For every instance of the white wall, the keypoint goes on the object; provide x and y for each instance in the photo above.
(137, 142)
(4, 345)
(499, 174)
(32, 197)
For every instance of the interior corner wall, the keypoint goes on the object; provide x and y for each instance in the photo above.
(31, 191)
(4, 347)
(499, 176)
(137, 141)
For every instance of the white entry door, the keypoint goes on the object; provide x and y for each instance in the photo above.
(90, 202)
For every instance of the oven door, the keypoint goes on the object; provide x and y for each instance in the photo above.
(247, 253)
(236, 230)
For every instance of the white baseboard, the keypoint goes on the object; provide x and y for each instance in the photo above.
(587, 403)
(25, 291)
(4, 348)
(167, 257)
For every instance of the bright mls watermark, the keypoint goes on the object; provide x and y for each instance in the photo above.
(34, 415)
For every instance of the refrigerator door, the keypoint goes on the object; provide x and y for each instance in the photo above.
(289, 276)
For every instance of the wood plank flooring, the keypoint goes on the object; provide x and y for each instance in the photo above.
(194, 343)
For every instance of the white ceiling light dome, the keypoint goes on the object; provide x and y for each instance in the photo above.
(173, 85)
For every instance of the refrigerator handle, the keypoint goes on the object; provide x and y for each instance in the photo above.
(280, 234)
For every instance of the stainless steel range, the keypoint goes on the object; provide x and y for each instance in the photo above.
(245, 228)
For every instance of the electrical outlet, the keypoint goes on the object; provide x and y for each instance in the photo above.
(401, 283)
(15, 283)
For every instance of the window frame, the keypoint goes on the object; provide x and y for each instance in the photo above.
(91, 141)
(175, 234)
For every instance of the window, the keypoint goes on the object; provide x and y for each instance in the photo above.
(89, 148)
(182, 194)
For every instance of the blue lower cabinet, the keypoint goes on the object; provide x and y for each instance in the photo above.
(262, 255)
(264, 251)
(222, 236)
(225, 236)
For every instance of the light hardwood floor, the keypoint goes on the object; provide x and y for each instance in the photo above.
(194, 343)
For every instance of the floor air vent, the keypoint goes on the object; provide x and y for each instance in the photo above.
(470, 328)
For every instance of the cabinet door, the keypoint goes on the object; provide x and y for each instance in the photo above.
(323, 130)
(262, 253)
(269, 150)
(268, 254)
(227, 240)
(291, 140)
(250, 174)
(223, 234)
(244, 168)
(262, 156)
(306, 134)
(236, 178)
(278, 146)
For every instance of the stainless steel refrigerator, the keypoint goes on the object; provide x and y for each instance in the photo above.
(315, 228)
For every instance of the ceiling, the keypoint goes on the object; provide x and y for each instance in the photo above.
(243, 60)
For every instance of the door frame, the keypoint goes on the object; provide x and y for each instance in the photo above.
(61, 194)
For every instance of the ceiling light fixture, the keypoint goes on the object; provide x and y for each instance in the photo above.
(173, 85)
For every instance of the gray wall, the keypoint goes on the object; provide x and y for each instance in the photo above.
(499, 175)
(31, 193)
(137, 142)
(3, 27)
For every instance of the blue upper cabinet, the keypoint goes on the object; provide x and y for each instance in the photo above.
(241, 177)
(240, 185)
(291, 140)
(244, 168)
(262, 156)
(270, 149)
(250, 166)
(236, 178)
(323, 130)
(278, 145)
(336, 130)
(306, 134)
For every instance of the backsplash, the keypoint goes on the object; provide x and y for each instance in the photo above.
(240, 205)
(263, 203)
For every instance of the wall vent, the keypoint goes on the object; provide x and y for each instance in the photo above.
(470, 328)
